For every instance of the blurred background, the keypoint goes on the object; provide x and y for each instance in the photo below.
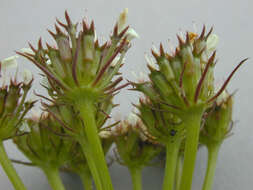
(155, 21)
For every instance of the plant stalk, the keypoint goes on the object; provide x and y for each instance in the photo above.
(90, 128)
(136, 175)
(53, 178)
(91, 164)
(178, 172)
(213, 151)
(192, 122)
(86, 179)
(10, 170)
(172, 149)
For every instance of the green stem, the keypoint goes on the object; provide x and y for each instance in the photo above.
(91, 164)
(178, 172)
(86, 179)
(53, 178)
(9, 169)
(172, 149)
(192, 123)
(90, 128)
(136, 175)
(213, 151)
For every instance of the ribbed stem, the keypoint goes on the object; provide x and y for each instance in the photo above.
(53, 178)
(90, 128)
(213, 151)
(172, 149)
(136, 175)
(192, 123)
(91, 164)
(9, 169)
(178, 172)
(86, 179)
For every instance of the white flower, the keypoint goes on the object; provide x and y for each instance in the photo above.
(9, 62)
(223, 97)
(27, 76)
(132, 119)
(140, 77)
(151, 62)
(25, 128)
(122, 20)
(131, 34)
(105, 134)
(212, 42)
(27, 50)
(116, 61)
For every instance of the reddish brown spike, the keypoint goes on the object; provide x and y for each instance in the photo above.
(92, 26)
(180, 41)
(107, 64)
(51, 33)
(48, 46)
(115, 30)
(154, 54)
(32, 48)
(44, 69)
(187, 41)
(182, 75)
(61, 24)
(120, 87)
(40, 44)
(201, 80)
(209, 33)
(85, 26)
(96, 44)
(123, 32)
(227, 81)
(162, 53)
(115, 83)
(74, 64)
(203, 33)
(58, 30)
(68, 18)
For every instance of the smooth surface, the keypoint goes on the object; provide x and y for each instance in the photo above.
(155, 21)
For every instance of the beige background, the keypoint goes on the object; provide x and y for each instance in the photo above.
(155, 20)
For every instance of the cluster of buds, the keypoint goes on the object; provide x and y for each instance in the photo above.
(79, 66)
(13, 103)
(133, 144)
(184, 79)
(218, 123)
(46, 145)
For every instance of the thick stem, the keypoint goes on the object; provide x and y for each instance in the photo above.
(172, 149)
(192, 122)
(178, 172)
(9, 169)
(136, 175)
(53, 178)
(91, 164)
(213, 151)
(90, 128)
(86, 179)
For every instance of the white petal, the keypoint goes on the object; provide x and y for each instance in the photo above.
(212, 42)
(25, 128)
(132, 34)
(122, 20)
(9, 62)
(27, 50)
(104, 134)
(116, 60)
(27, 76)
(132, 119)
(151, 62)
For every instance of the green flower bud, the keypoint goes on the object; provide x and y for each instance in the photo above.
(133, 146)
(218, 122)
(46, 144)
